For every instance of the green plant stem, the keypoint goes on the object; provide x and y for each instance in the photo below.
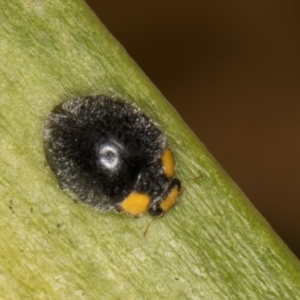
(212, 245)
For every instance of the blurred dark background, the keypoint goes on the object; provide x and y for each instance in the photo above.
(232, 70)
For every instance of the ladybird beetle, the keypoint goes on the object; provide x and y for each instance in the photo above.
(108, 154)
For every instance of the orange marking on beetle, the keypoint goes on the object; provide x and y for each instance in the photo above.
(135, 203)
(168, 163)
(167, 203)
